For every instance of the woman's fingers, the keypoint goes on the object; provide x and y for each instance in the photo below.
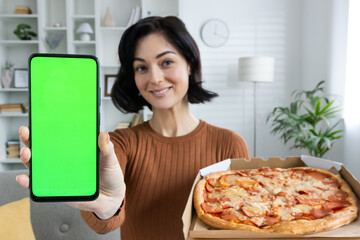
(25, 155)
(24, 135)
(23, 180)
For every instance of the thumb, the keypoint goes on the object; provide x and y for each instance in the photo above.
(107, 153)
(105, 145)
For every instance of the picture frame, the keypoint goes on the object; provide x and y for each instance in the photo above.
(109, 82)
(21, 78)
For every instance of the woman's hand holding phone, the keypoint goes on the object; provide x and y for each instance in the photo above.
(112, 185)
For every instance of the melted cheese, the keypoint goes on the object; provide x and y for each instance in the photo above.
(301, 208)
(284, 213)
(327, 193)
(279, 201)
(258, 220)
(255, 209)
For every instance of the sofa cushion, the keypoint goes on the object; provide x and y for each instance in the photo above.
(15, 220)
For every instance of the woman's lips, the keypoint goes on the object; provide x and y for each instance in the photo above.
(160, 92)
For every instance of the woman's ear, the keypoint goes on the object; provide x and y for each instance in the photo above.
(189, 70)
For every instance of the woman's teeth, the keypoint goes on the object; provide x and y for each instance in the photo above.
(162, 91)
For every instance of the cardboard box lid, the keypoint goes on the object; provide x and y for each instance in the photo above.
(194, 228)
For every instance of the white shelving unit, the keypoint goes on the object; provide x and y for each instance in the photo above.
(67, 15)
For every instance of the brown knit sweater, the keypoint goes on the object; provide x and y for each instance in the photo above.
(159, 172)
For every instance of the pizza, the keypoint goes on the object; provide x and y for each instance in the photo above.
(298, 200)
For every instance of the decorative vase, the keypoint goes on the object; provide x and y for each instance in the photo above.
(108, 20)
(6, 78)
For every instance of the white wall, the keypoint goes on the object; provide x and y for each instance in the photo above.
(305, 37)
(324, 52)
(352, 97)
(259, 27)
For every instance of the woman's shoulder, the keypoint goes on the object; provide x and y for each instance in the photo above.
(212, 129)
(233, 144)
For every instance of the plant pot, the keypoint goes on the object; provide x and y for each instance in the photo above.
(6, 78)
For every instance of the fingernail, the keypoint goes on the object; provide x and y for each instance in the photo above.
(17, 178)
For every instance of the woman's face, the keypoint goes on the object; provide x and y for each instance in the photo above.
(161, 72)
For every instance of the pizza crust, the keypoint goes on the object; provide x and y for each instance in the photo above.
(300, 226)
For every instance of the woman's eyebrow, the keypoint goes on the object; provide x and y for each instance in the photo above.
(157, 56)
(164, 53)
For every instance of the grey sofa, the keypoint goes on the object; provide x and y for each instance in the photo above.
(49, 220)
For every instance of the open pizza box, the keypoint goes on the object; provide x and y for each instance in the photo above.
(193, 228)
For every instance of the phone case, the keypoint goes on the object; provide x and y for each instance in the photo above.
(64, 124)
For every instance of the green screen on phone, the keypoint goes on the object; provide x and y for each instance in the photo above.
(64, 126)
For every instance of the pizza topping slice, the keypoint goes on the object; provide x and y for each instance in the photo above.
(212, 207)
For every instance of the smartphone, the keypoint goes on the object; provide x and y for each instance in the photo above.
(64, 127)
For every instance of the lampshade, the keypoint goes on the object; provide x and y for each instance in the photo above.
(256, 69)
(85, 28)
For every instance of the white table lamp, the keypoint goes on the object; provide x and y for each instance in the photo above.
(256, 69)
(85, 30)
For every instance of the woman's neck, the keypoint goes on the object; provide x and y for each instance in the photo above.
(173, 122)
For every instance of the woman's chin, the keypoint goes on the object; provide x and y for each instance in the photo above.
(164, 107)
(161, 108)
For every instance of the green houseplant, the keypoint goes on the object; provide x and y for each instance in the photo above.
(307, 121)
(23, 32)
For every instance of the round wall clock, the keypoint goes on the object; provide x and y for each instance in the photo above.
(214, 33)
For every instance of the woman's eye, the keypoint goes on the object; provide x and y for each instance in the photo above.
(167, 62)
(140, 69)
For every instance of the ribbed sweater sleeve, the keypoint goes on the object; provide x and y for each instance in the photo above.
(159, 172)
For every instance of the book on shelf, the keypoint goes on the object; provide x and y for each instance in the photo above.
(137, 14)
(22, 10)
(12, 149)
(121, 125)
(12, 153)
(137, 119)
(26, 110)
(16, 107)
(134, 16)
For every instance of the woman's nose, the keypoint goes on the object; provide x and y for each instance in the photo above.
(156, 75)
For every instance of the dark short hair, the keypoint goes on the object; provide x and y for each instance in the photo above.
(125, 95)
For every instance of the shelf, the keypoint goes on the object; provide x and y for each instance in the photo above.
(13, 114)
(83, 17)
(11, 160)
(18, 42)
(14, 90)
(112, 28)
(18, 16)
(82, 43)
(55, 28)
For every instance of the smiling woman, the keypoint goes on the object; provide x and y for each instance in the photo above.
(161, 69)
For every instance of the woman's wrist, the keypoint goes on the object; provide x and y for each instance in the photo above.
(108, 214)
(104, 214)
